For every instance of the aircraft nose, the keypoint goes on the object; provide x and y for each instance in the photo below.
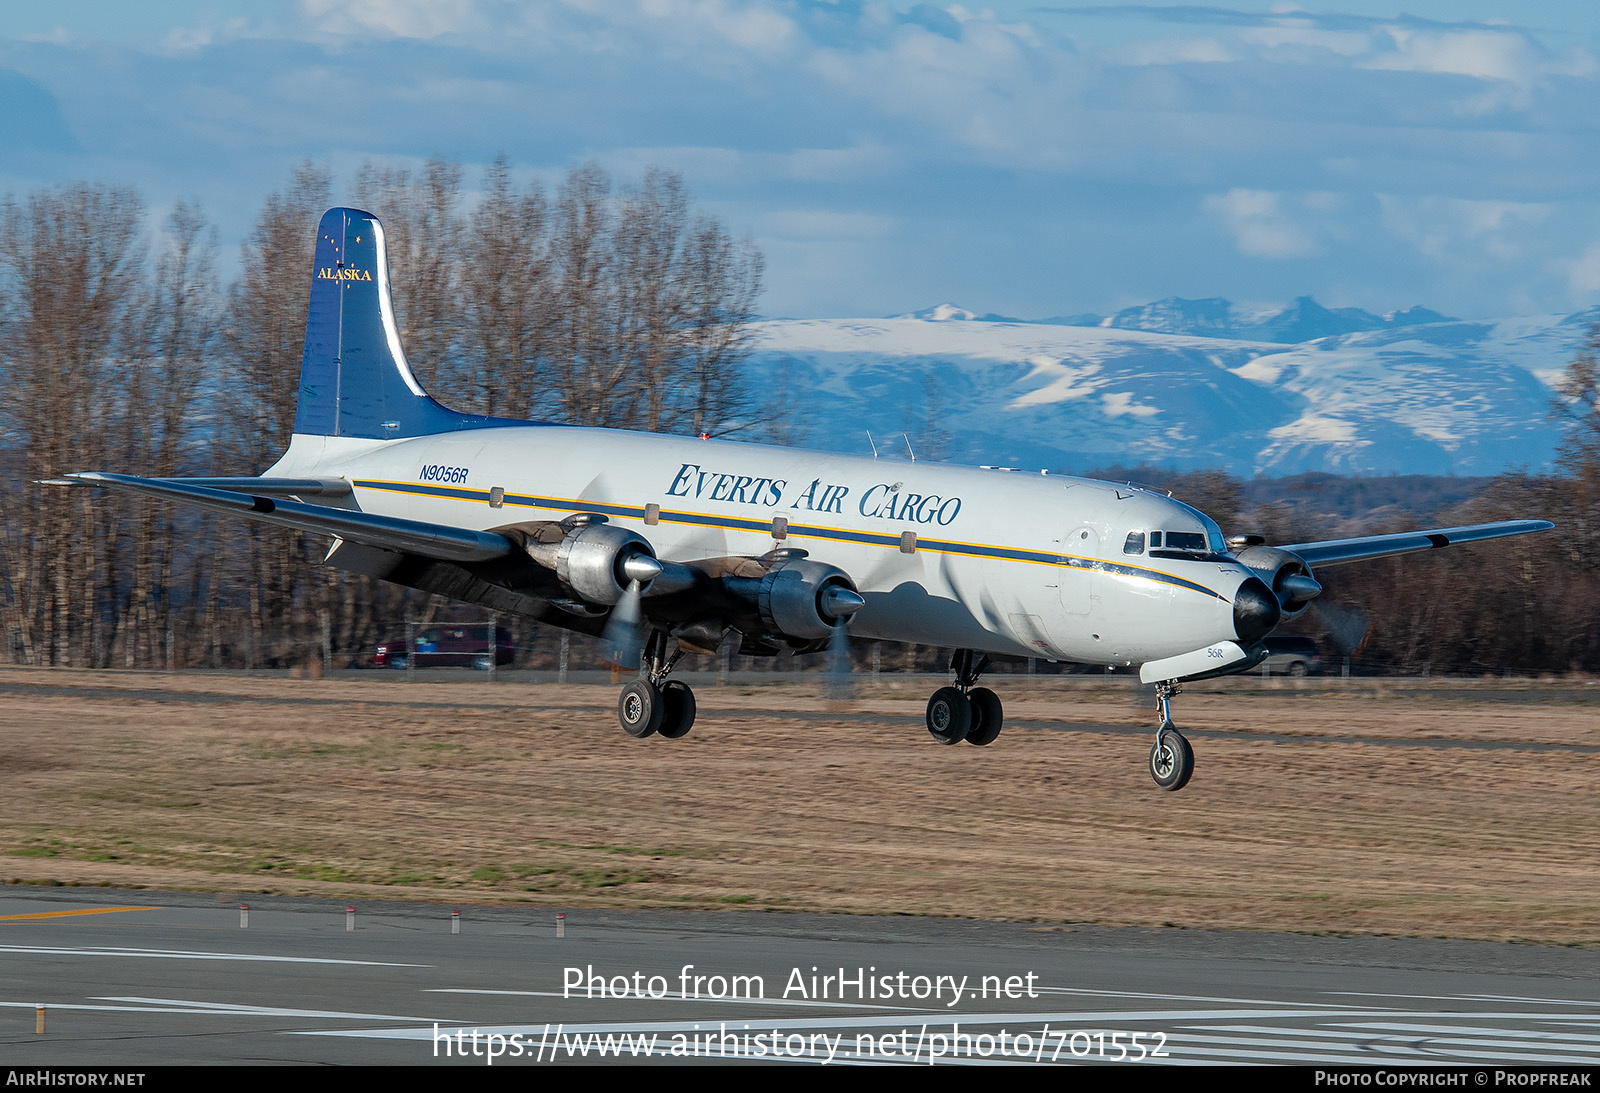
(1255, 611)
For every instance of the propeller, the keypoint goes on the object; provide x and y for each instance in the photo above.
(1347, 626)
(836, 685)
(840, 604)
(624, 633)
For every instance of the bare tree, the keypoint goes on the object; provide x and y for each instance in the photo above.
(507, 311)
(600, 307)
(71, 259)
(1577, 402)
(263, 341)
(265, 332)
(723, 279)
(590, 374)
(422, 230)
(177, 319)
(653, 308)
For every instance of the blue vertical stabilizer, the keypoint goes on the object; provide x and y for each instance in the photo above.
(354, 379)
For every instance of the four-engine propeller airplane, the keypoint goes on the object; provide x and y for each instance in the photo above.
(663, 544)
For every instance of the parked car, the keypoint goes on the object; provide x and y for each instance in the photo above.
(1293, 656)
(449, 645)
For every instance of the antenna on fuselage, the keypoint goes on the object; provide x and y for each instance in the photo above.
(873, 443)
(909, 450)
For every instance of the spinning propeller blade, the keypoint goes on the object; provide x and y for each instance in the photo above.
(1347, 626)
(623, 635)
(837, 685)
(841, 603)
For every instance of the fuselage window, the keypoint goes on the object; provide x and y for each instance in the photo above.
(1135, 543)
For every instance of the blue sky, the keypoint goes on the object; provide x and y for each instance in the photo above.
(1027, 159)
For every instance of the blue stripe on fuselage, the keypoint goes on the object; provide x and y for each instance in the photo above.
(810, 531)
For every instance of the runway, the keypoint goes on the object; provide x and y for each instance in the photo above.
(131, 978)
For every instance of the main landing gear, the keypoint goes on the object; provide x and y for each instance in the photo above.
(654, 704)
(965, 712)
(1171, 757)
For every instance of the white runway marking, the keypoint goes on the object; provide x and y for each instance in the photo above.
(240, 1009)
(676, 996)
(192, 954)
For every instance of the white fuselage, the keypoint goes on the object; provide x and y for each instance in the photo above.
(1012, 563)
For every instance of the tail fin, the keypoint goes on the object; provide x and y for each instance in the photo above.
(354, 379)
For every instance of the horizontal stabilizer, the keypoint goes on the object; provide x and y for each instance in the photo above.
(1338, 551)
(389, 532)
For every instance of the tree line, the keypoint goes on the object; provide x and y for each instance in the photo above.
(122, 348)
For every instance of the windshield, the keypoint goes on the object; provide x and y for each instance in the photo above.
(1207, 544)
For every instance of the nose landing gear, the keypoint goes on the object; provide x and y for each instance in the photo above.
(1171, 757)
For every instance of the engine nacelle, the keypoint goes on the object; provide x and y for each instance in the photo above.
(804, 600)
(593, 558)
(1286, 573)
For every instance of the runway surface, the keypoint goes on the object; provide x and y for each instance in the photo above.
(133, 978)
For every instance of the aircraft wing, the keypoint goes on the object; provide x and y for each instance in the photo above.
(386, 532)
(1339, 551)
(269, 487)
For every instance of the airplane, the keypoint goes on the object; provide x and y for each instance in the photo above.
(662, 544)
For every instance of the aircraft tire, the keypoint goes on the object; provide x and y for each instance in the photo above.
(678, 709)
(949, 716)
(640, 708)
(1171, 760)
(987, 716)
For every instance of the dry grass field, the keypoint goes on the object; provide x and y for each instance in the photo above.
(1455, 809)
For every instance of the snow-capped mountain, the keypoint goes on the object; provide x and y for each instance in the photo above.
(1304, 320)
(1182, 383)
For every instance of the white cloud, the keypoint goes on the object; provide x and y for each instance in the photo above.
(1306, 34)
(1177, 50)
(1447, 227)
(1485, 54)
(837, 164)
(1265, 224)
(1583, 273)
(825, 224)
(760, 28)
(395, 18)
(880, 146)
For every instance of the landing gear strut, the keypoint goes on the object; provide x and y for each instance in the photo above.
(653, 703)
(964, 712)
(1171, 757)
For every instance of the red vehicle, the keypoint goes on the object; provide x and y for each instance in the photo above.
(448, 645)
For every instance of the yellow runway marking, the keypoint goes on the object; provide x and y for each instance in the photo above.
(85, 911)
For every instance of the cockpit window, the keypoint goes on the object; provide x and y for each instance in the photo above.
(1200, 546)
(1135, 543)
